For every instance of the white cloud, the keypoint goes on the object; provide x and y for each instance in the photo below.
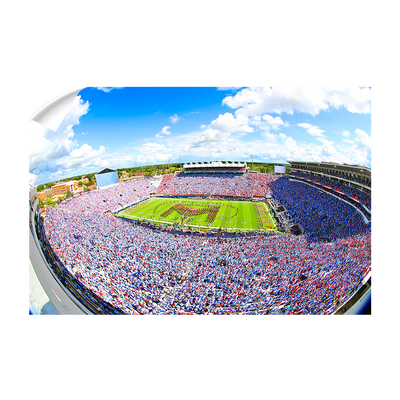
(155, 158)
(193, 112)
(346, 133)
(275, 123)
(269, 136)
(354, 99)
(151, 147)
(363, 139)
(329, 152)
(153, 153)
(229, 123)
(362, 148)
(213, 143)
(208, 137)
(228, 86)
(86, 151)
(290, 143)
(312, 130)
(310, 100)
(164, 131)
(174, 119)
(107, 87)
(84, 156)
(202, 126)
(359, 150)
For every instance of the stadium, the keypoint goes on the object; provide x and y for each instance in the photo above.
(213, 238)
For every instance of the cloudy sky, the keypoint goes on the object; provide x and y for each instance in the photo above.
(125, 127)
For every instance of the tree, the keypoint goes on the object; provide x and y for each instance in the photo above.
(68, 194)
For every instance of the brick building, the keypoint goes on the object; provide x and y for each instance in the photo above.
(61, 188)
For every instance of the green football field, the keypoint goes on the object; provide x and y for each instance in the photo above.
(204, 214)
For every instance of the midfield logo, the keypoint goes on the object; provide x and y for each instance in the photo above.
(212, 211)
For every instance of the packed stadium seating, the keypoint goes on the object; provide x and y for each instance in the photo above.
(363, 197)
(246, 185)
(144, 271)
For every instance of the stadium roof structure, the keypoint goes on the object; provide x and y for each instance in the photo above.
(355, 169)
(215, 164)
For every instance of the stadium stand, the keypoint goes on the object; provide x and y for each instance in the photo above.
(123, 267)
(247, 185)
(351, 183)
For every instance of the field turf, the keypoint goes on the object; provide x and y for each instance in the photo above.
(203, 214)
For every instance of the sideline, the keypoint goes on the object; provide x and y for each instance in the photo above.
(272, 219)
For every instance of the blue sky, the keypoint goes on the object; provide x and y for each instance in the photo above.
(126, 127)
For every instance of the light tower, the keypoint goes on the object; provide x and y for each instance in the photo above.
(252, 160)
(180, 159)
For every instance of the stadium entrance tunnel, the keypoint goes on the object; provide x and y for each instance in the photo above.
(296, 230)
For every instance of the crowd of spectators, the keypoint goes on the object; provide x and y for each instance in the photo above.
(322, 216)
(114, 197)
(245, 185)
(362, 197)
(144, 271)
